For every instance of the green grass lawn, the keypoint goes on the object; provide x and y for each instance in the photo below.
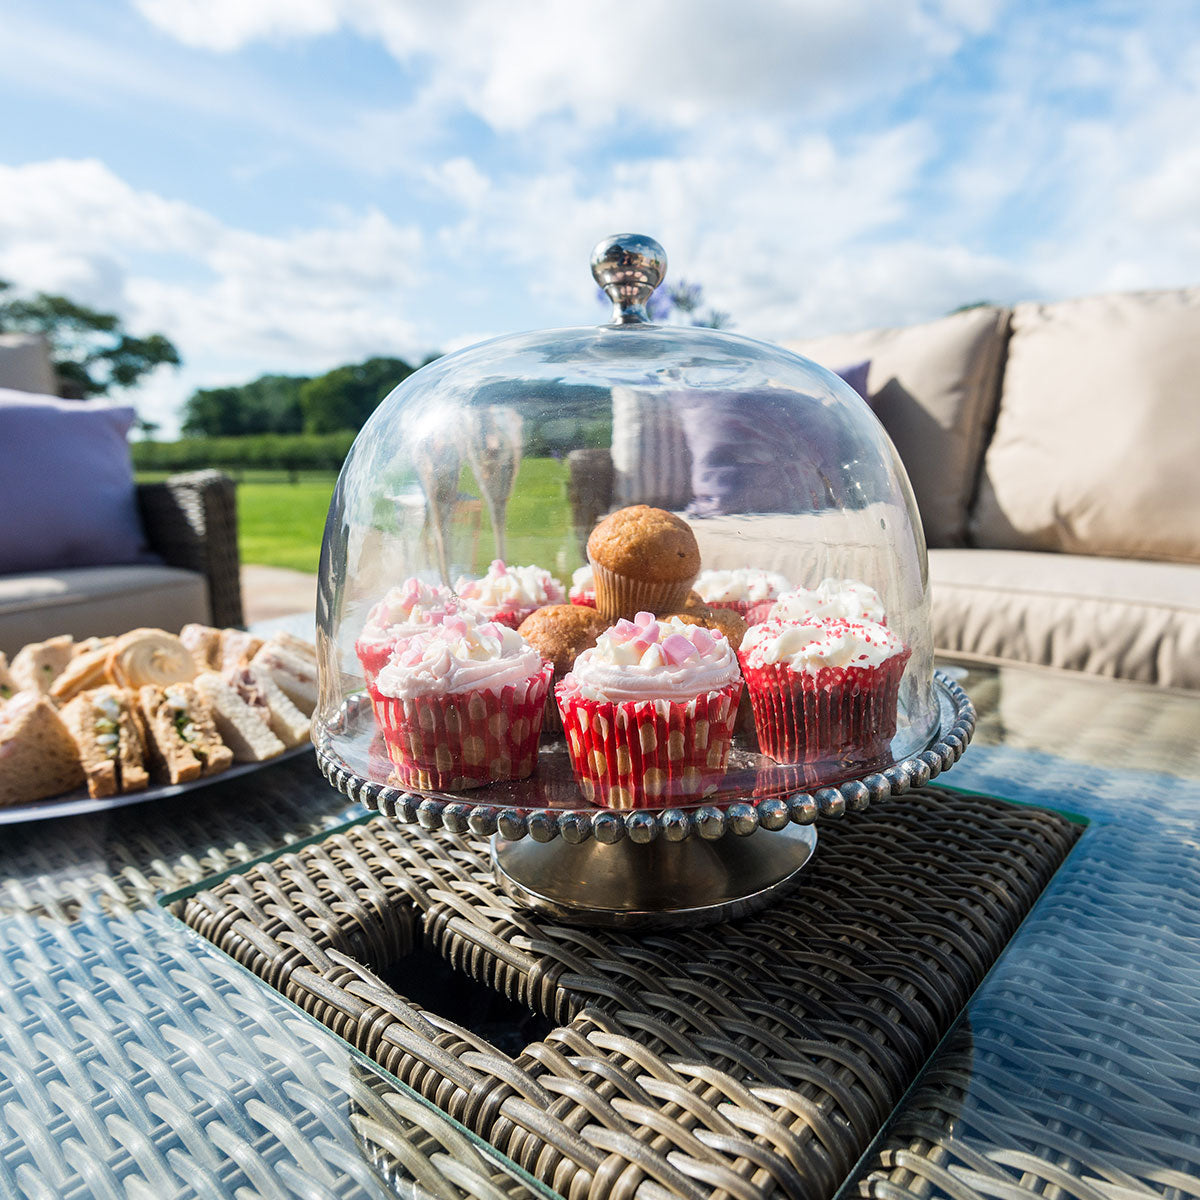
(280, 524)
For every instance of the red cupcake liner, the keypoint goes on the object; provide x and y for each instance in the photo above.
(582, 599)
(467, 740)
(757, 612)
(839, 713)
(373, 656)
(648, 753)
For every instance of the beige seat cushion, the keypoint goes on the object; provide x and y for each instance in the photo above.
(933, 387)
(96, 601)
(1098, 431)
(1122, 618)
(25, 364)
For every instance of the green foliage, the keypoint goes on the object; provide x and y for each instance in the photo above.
(346, 396)
(269, 404)
(290, 452)
(91, 351)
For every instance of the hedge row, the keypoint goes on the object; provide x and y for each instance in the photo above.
(289, 452)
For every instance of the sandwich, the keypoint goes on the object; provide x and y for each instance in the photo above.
(107, 731)
(237, 648)
(85, 671)
(181, 735)
(292, 665)
(257, 688)
(204, 644)
(8, 685)
(39, 664)
(244, 726)
(38, 755)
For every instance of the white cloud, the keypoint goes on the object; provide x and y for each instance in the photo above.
(233, 300)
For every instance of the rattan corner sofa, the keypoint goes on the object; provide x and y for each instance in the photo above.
(190, 524)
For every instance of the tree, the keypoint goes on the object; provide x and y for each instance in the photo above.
(91, 351)
(268, 404)
(346, 396)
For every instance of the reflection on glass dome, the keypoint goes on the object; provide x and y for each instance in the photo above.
(627, 566)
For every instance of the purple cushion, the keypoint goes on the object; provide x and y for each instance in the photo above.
(66, 485)
(750, 455)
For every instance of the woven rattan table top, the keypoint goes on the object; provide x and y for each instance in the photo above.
(138, 1061)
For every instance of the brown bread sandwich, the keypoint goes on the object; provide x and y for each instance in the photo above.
(181, 735)
(107, 730)
(38, 756)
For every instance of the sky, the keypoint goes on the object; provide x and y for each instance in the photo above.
(289, 185)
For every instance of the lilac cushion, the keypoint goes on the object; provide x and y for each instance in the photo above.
(750, 455)
(66, 485)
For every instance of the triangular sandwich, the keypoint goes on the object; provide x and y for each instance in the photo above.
(38, 756)
(107, 730)
(245, 728)
(181, 735)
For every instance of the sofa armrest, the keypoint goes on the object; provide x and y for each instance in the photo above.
(589, 490)
(191, 522)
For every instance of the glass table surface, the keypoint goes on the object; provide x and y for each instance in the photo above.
(136, 1060)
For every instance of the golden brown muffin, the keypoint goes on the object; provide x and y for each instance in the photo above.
(643, 559)
(725, 620)
(561, 632)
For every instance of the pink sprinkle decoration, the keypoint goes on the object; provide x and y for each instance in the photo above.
(677, 649)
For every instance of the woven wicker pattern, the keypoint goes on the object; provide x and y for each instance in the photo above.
(742, 1061)
(191, 521)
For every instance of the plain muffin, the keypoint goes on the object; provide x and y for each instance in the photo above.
(643, 560)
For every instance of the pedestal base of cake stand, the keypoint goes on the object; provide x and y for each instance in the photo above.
(654, 885)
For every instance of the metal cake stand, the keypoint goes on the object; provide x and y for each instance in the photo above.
(646, 866)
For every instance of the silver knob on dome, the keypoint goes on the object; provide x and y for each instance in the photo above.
(629, 266)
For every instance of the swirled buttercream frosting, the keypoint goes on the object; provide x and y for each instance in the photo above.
(409, 609)
(747, 584)
(458, 656)
(511, 589)
(831, 599)
(812, 646)
(649, 659)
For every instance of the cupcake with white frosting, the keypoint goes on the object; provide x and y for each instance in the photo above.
(823, 692)
(583, 587)
(411, 608)
(510, 594)
(461, 705)
(743, 588)
(648, 713)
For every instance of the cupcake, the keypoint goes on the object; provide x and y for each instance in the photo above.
(461, 705)
(583, 588)
(409, 609)
(642, 558)
(560, 633)
(508, 595)
(741, 589)
(648, 713)
(831, 599)
(823, 691)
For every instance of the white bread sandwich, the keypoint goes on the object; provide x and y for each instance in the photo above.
(107, 729)
(244, 727)
(204, 644)
(38, 756)
(292, 665)
(237, 648)
(39, 664)
(180, 733)
(287, 722)
(8, 685)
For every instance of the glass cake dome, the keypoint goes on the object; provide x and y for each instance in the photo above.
(608, 491)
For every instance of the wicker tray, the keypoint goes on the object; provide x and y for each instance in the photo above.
(745, 1060)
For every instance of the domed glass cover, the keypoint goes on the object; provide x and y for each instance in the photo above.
(514, 450)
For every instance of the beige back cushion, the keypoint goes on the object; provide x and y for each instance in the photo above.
(1098, 433)
(25, 364)
(934, 388)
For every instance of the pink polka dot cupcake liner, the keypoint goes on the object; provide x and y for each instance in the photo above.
(648, 753)
(452, 743)
(837, 714)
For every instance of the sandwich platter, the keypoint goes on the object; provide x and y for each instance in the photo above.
(77, 802)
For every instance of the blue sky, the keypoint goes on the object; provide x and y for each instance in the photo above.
(286, 185)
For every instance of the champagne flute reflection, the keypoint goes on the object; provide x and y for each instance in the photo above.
(439, 468)
(492, 443)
